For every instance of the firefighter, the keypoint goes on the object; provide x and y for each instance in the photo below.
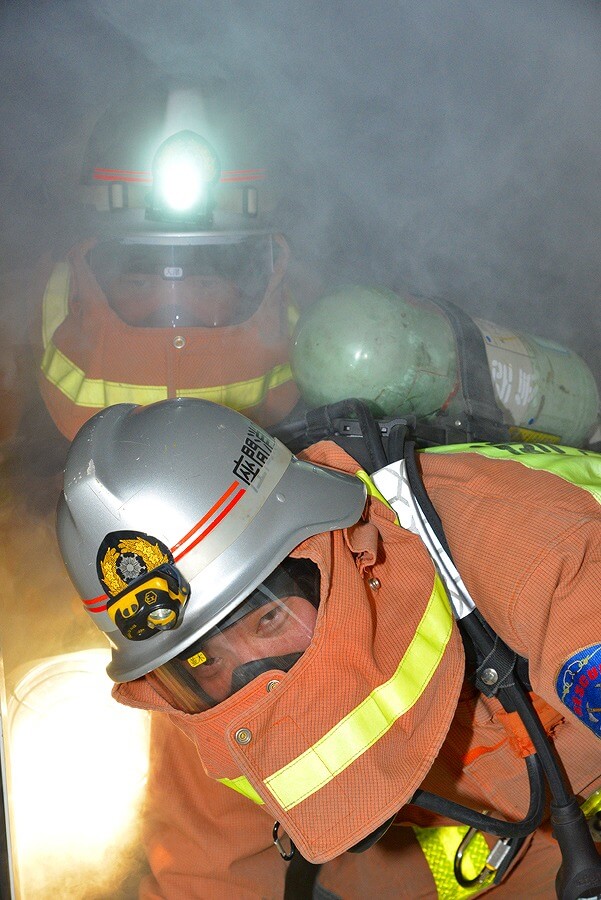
(181, 289)
(289, 630)
(167, 297)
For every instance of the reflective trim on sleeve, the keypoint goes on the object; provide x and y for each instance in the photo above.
(367, 723)
(581, 468)
(96, 393)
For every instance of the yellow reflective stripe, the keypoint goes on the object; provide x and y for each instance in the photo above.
(293, 316)
(367, 723)
(581, 468)
(243, 394)
(373, 491)
(243, 786)
(97, 393)
(592, 804)
(55, 305)
(439, 846)
(93, 392)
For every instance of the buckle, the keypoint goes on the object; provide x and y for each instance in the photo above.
(494, 860)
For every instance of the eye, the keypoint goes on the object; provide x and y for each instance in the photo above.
(211, 662)
(273, 620)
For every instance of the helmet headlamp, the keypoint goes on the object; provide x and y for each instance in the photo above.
(185, 171)
(150, 604)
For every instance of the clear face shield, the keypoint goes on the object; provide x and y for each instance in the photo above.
(271, 629)
(162, 283)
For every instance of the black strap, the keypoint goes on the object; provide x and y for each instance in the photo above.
(383, 444)
(477, 390)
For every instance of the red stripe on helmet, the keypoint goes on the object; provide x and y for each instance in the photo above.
(234, 486)
(207, 515)
(215, 522)
(102, 599)
(124, 175)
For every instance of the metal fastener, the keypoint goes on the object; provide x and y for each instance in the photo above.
(243, 736)
(374, 584)
(271, 684)
(179, 341)
(490, 676)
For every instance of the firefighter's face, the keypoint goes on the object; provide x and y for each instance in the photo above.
(276, 629)
(145, 299)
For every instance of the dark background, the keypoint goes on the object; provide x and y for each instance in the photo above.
(450, 146)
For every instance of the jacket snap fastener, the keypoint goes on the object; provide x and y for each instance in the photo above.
(179, 341)
(271, 684)
(243, 736)
(374, 584)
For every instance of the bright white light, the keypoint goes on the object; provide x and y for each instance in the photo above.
(78, 767)
(181, 183)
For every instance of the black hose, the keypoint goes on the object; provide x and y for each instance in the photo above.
(580, 871)
(489, 824)
(560, 790)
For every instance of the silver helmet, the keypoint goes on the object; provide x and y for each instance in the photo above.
(173, 513)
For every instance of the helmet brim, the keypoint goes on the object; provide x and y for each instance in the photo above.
(308, 499)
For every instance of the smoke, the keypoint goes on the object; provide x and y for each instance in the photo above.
(451, 147)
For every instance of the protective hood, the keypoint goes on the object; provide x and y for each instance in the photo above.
(339, 743)
(93, 358)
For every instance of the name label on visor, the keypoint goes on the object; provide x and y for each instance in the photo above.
(173, 273)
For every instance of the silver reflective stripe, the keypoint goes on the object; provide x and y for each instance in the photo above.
(393, 484)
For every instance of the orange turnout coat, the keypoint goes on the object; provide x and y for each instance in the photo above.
(90, 358)
(378, 705)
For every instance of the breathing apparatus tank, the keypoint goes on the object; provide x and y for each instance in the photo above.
(400, 354)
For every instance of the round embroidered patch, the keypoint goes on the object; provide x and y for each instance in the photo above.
(579, 686)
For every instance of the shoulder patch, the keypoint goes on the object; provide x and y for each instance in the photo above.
(578, 686)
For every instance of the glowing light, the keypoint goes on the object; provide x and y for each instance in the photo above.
(185, 169)
(182, 184)
(78, 767)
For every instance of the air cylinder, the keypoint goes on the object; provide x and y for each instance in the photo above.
(399, 354)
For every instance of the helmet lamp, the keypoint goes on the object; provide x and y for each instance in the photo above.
(185, 171)
(150, 604)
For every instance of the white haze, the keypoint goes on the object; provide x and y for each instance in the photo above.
(453, 146)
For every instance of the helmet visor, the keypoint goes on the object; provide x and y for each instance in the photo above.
(270, 630)
(196, 285)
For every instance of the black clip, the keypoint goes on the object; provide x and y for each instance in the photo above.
(286, 856)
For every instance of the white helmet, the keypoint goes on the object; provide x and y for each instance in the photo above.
(173, 513)
(171, 169)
